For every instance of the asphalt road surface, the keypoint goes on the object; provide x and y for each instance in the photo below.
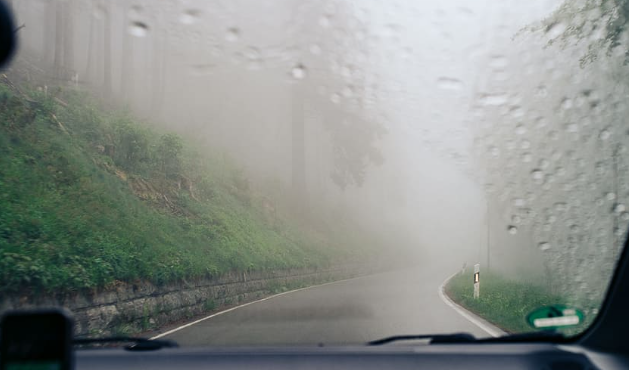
(347, 312)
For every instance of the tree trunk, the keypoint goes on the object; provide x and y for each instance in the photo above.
(107, 88)
(59, 42)
(126, 74)
(90, 50)
(68, 38)
(298, 148)
(48, 36)
(158, 70)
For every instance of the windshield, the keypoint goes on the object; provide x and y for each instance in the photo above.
(292, 172)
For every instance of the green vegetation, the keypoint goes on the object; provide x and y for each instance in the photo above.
(90, 197)
(504, 302)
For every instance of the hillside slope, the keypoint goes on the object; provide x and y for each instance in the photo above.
(91, 197)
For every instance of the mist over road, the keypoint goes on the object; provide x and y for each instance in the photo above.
(348, 312)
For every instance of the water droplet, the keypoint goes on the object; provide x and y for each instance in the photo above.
(624, 216)
(519, 202)
(335, 98)
(203, 69)
(527, 157)
(618, 208)
(560, 171)
(512, 229)
(610, 196)
(516, 219)
(233, 34)
(538, 176)
(315, 49)
(520, 129)
(543, 163)
(493, 99)
(541, 91)
(498, 62)
(325, 21)
(575, 228)
(572, 127)
(448, 83)
(298, 72)
(555, 29)
(190, 16)
(566, 104)
(494, 151)
(525, 144)
(138, 29)
(604, 135)
(348, 92)
(544, 246)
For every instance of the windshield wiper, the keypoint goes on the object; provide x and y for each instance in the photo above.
(137, 344)
(434, 338)
(544, 336)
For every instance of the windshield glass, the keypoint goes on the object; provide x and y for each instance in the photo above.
(302, 172)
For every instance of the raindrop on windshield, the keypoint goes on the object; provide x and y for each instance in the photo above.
(189, 16)
(138, 29)
(566, 103)
(543, 163)
(544, 246)
(324, 21)
(233, 34)
(448, 83)
(493, 99)
(537, 175)
(572, 127)
(555, 29)
(298, 72)
(512, 230)
(619, 208)
(604, 135)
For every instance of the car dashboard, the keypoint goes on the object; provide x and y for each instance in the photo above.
(449, 356)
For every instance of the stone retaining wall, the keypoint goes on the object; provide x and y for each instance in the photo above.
(132, 308)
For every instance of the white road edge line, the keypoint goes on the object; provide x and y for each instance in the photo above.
(247, 304)
(474, 319)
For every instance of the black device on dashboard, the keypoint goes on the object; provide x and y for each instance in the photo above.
(36, 340)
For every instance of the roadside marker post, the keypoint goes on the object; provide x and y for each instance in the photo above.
(476, 281)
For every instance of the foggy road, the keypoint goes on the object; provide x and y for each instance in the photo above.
(348, 312)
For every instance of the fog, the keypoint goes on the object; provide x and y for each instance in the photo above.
(383, 110)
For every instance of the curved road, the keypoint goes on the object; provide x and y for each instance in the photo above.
(347, 312)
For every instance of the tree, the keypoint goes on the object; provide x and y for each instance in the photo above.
(169, 153)
(353, 136)
(602, 24)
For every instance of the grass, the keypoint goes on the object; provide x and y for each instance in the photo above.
(91, 197)
(505, 302)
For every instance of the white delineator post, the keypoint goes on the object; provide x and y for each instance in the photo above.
(476, 281)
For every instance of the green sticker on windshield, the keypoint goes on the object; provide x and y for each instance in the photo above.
(553, 317)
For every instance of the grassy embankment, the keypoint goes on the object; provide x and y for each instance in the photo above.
(90, 198)
(505, 302)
